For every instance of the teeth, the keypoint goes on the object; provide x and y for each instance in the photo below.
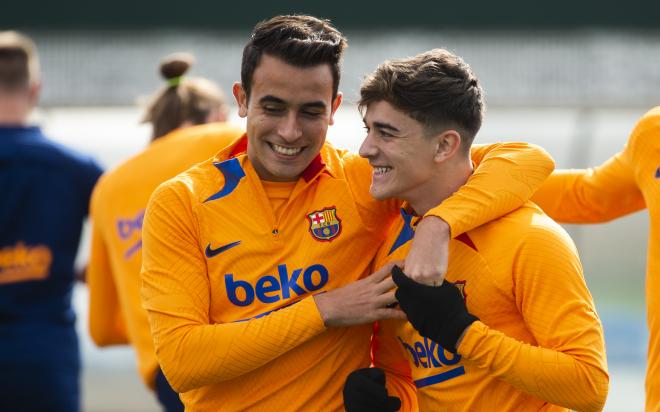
(289, 151)
(379, 170)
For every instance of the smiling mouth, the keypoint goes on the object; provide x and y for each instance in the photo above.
(381, 170)
(286, 151)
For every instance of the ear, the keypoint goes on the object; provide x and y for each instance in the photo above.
(241, 99)
(448, 143)
(335, 106)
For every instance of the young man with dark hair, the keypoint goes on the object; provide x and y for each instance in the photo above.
(255, 262)
(513, 327)
(45, 192)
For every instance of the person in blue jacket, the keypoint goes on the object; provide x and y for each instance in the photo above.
(45, 189)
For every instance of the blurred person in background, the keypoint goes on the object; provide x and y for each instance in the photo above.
(45, 195)
(254, 262)
(514, 327)
(188, 118)
(626, 183)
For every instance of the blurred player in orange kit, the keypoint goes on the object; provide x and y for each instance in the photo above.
(45, 195)
(255, 262)
(513, 327)
(178, 113)
(626, 183)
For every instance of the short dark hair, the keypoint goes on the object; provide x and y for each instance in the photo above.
(299, 40)
(19, 64)
(436, 88)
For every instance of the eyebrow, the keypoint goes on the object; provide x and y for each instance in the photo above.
(272, 99)
(317, 104)
(387, 126)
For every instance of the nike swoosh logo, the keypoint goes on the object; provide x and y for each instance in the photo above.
(214, 252)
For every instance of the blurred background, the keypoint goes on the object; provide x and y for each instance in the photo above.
(571, 76)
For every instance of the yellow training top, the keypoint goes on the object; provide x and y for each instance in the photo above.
(115, 311)
(228, 284)
(539, 342)
(627, 182)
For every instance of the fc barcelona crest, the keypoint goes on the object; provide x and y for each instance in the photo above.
(324, 224)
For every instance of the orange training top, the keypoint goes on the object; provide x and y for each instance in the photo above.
(113, 275)
(538, 343)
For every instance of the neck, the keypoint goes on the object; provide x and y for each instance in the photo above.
(450, 176)
(14, 112)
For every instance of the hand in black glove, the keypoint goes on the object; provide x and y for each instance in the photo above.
(437, 312)
(364, 391)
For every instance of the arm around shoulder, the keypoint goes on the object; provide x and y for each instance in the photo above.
(505, 177)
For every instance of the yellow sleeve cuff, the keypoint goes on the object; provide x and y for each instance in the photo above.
(471, 338)
(310, 315)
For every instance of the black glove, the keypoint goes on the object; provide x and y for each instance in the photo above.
(437, 312)
(364, 391)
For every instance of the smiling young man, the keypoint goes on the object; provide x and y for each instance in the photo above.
(514, 327)
(255, 262)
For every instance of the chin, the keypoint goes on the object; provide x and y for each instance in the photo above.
(287, 174)
(378, 194)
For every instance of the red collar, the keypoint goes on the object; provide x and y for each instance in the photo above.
(313, 168)
(240, 147)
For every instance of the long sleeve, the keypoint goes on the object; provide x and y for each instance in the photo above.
(106, 322)
(566, 366)
(386, 355)
(591, 195)
(191, 350)
(505, 177)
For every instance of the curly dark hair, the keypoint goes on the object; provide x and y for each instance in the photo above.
(436, 88)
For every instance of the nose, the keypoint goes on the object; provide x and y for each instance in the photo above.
(289, 128)
(368, 148)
